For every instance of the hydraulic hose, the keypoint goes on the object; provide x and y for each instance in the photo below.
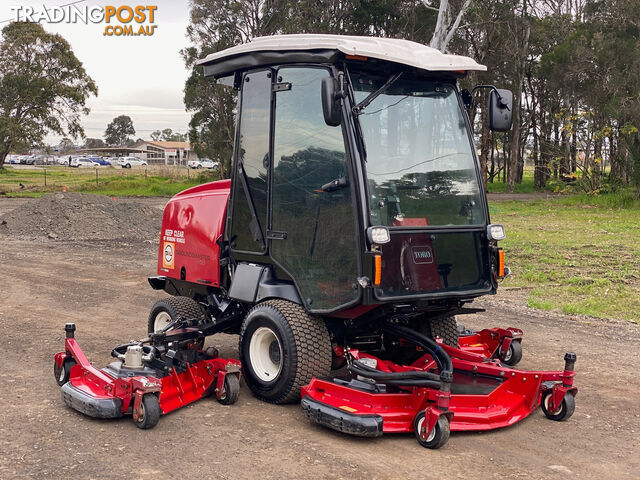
(411, 378)
(441, 357)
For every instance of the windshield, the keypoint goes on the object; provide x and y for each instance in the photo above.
(420, 166)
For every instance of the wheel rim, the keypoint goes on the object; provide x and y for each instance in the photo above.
(265, 354)
(432, 434)
(141, 413)
(547, 400)
(509, 354)
(161, 321)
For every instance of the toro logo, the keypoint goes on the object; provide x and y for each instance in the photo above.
(168, 254)
(422, 254)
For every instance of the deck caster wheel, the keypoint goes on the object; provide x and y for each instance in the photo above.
(567, 407)
(61, 373)
(230, 390)
(437, 437)
(514, 355)
(149, 412)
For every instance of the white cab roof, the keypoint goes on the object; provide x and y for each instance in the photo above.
(390, 49)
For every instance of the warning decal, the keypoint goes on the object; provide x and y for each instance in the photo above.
(168, 255)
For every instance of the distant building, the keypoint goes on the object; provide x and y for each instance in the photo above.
(167, 153)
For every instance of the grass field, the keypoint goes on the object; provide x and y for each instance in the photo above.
(574, 256)
(141, 182)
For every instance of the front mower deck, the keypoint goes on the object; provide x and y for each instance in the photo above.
(484, 394)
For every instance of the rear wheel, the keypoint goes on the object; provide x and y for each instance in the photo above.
(282, 348)
(166, 310)
(444, 327)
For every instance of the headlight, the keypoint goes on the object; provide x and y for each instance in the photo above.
(495, 232)
(378, 235)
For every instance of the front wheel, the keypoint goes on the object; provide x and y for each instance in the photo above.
(62, 373)
(282, 348)
(230, 390)
(149, 412)
(438, 436)
(167, 310)
(567, 407)
(514, 355)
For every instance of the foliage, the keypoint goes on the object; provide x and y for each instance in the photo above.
(576, 257)
(43, 87)
(119, 131)
(93, 143)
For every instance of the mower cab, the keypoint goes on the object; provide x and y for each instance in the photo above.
(355, 200)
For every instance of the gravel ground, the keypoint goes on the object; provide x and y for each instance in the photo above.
(101, 286)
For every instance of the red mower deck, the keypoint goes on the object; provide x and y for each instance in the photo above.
(154, 387)
(478, 393)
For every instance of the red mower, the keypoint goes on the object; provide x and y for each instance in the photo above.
(446, 389)
(152, 377)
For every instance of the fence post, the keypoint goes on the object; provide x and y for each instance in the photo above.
(45, 177)
(96, 176)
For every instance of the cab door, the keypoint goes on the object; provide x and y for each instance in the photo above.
(313, 230)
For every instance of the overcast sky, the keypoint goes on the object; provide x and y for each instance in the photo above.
(142, 77)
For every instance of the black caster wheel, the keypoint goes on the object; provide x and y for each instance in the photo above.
(62, 373)
(149, 412)
(567, 407)
(438, 436)
(514, 355)
(230, 390)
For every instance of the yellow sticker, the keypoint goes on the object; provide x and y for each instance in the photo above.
(168, 254)
(348, 409)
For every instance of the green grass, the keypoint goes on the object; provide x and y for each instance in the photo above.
(141, 182)
(576, 254)
(526, 186)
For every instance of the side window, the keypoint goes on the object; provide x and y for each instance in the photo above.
(249, 210)
(320, 247)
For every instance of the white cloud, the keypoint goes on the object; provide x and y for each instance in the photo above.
(142, 77)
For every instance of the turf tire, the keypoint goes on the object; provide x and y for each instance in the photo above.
(175, 306)
(305, 349)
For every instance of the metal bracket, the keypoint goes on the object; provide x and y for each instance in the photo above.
(281, 87)
(276, 235)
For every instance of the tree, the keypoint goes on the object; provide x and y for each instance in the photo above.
(43, 87)
(446, 28)
(119, 131)
(93, 143)
(65, 145)
(156, 135)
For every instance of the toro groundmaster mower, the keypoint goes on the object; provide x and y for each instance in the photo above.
(353, 230)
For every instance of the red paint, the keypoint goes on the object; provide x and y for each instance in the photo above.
(514, 394)
(174, 391)
(197, 215)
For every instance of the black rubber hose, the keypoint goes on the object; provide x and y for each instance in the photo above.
(441, 357)
(364, 370)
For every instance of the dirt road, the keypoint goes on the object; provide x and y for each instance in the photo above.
(102, 287)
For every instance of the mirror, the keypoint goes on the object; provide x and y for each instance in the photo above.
(500, 110)
(331, 102)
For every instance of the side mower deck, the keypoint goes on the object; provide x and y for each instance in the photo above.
(148, 387)
(481, 394)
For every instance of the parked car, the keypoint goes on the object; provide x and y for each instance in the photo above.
(128, 162)
(79, 162)
(203, 163)
(100, 160)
